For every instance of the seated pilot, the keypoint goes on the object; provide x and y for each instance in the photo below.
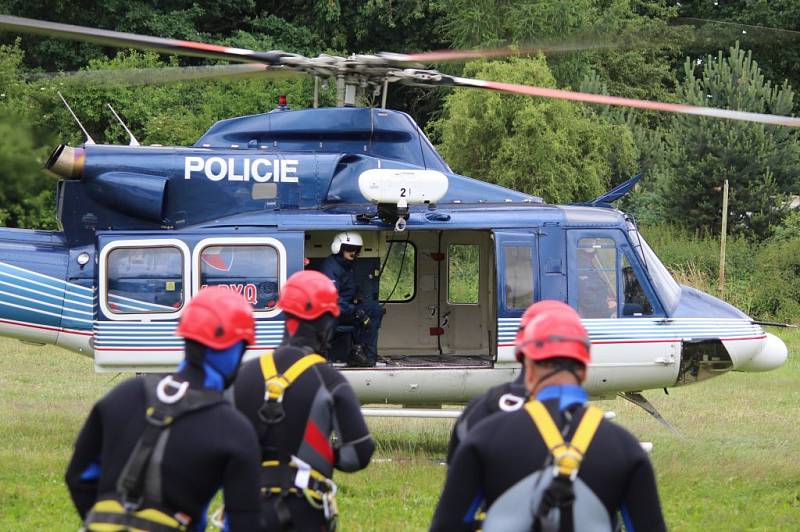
(365, 315)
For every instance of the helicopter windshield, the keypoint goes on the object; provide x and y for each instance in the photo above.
(669, 291)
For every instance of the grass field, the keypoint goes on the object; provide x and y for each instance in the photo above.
(736, 465)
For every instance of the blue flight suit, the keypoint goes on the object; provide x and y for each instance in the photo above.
(340, 271)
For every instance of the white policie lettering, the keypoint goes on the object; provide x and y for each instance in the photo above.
(258, 170)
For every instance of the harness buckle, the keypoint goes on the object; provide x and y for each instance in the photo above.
(275, 388)
(567, 462)
(131, 505)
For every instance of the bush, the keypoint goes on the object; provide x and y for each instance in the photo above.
(761, 279)
(776, 281)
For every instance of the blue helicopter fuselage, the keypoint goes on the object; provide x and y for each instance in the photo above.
(257, 198)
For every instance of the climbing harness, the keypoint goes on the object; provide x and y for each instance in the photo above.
(566, 458)
(138, 504)
(284, 474)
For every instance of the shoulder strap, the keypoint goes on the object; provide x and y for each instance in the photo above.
(275, 385)
(567, 456)
(160, 415)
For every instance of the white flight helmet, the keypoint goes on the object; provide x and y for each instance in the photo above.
(348, 238)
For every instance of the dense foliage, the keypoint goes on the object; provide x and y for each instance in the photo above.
(653, 49)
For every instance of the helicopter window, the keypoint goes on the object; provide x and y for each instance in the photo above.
(597, 278)
(463, 278)
(399, 272)
(145, 280)
(518, 276)
(668, 290)
(251, 270)
(635, 302)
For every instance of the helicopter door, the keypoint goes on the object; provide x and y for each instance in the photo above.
(517, 285)
(142, 290)
(145, 283)
(631, 346)
(467, 303)
(255, 267)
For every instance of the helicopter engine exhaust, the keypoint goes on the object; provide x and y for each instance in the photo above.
(66, 162)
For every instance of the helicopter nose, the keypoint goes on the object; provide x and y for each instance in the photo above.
(772, 355)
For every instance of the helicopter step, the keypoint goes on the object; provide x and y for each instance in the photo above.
(639, 400)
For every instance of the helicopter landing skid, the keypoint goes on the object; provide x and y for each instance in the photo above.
(639, 400)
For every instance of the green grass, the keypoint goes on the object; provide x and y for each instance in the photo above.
(735, 466)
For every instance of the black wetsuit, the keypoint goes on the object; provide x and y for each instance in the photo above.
(318, 403)
(506, 447)
(482, 407)
(206, 450)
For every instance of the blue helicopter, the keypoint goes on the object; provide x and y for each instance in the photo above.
(454, 260)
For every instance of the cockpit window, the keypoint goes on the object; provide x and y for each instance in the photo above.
(597, 278)
(635, 302)
(667, 288)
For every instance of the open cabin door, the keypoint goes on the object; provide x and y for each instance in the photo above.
(467, 301)
(517, 284)
(144, 283)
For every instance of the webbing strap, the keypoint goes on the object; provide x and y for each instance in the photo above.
(567, 456)
(110, 515)
(132, 484)
(275, 385)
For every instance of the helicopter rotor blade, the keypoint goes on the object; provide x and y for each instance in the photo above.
(445, 56)
(584, 97)
(131, 40)
(154, 76)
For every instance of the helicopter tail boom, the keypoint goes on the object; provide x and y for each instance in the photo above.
(37, 304)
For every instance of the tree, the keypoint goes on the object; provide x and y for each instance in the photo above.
(562, 151)
(636, 47)
(26, 197)
(767, 27)
(761, 162)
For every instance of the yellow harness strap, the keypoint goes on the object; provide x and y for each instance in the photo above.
(275, 385)
(567, 456)
(109, 515)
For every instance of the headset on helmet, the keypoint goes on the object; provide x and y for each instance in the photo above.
(348, 238)
(217, 317)
(530, 313)
(308, 295)
(556, 333)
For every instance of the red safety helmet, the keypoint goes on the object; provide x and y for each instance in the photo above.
(308, 295)
(530, 313)
(556, 333)
(218, 317)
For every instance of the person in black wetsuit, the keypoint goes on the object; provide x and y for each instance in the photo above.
(508, 396)
(155, 450)
(307, 401)
(365, 314)
(507, 448)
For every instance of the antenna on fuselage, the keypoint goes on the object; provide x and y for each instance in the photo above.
(89, 139)
(133, 141)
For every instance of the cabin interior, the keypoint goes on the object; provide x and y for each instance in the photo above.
(438, 290)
